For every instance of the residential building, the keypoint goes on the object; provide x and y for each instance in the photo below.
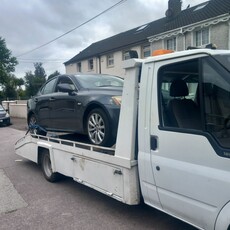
(208, 22)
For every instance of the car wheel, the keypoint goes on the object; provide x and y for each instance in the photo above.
(47, 168)
(98, 128)
(33, 121)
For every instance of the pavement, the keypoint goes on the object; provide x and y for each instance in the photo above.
(10, 199)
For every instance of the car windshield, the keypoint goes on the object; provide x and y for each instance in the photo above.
(95, 81)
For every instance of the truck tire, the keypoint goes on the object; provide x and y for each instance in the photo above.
(47, 168)
(98, 128)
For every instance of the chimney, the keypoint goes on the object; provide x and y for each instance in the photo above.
(174, 8)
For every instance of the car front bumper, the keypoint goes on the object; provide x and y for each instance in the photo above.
(5, 121)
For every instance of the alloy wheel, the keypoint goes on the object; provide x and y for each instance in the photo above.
(96, 128)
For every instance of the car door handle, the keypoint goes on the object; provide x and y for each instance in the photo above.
(52, 99)
(154, 142)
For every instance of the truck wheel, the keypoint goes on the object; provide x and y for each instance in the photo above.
(47, 168)
(98, 128)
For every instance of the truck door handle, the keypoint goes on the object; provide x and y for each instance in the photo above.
(117, 171)
(154, 142)
(52, 99)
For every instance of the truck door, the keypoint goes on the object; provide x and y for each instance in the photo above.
(190, 139)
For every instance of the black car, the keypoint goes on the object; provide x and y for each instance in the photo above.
(4, 116)
(82, 103)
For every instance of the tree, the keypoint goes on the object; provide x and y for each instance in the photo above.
(31, 88)
(19, 82)
(11, 86)
(56, 73)
(39, 71)
(33, 82)
(7, 62)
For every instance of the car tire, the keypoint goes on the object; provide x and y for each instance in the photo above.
(47, 168)
(33, 121)
(98, 128)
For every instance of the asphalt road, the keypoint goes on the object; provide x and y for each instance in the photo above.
(28, 201)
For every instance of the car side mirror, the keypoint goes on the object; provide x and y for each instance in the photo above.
(65, 88)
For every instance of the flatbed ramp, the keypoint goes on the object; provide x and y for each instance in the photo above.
(96, 167)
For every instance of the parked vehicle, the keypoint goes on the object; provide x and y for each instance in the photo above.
(177, 158)
(82, 103)
(4, 116)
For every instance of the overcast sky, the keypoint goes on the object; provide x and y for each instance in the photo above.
(28, 24)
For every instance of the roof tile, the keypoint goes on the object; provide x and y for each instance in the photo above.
(213, 8)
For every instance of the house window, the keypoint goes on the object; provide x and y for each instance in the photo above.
(90, 64)
(171, 44)
(202, 37)
(126, 55)
(110, 60)
(79, 66)
(145, 51)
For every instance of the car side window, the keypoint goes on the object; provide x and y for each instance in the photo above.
(48, 87)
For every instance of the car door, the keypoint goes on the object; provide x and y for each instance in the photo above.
(188, 170)
(42, 100)
(63, 113)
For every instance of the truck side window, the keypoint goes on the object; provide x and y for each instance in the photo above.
(180, 106)
(196, 91)
(216, 94)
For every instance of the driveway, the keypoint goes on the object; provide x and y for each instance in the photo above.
(18, 123)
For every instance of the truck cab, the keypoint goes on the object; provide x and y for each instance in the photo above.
(184, 136)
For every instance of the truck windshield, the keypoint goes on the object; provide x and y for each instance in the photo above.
(224, 60)
(216, 96)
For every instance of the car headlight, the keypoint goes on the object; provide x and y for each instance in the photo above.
(116, 100)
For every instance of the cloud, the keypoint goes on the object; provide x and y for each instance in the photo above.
(28, 24)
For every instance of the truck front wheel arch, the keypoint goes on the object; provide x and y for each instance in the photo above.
(223, 218)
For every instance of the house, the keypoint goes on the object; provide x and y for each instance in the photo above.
(208, 22)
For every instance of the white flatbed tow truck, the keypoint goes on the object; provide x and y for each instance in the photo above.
(173, 141)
